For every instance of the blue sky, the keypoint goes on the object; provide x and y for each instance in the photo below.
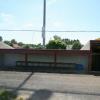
(61, 15)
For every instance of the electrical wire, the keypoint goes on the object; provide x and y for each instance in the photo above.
(84, 31)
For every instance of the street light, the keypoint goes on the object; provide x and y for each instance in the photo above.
(44, 23)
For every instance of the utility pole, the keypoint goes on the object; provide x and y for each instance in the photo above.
(44, 23)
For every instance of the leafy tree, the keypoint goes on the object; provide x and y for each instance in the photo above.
(21, 44)
(8, 42)
(29, 46)
(67, 41)
(13, 41)
(77, 45)
(57, 43)
(57, 38)
(38, 46)
(26, 46)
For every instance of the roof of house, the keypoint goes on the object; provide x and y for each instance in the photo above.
(90, 44)
(16, 46)
(5, 46)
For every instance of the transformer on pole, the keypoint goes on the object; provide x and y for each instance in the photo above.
(44, 23)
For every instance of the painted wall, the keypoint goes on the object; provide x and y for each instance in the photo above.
(41, 58)
(10, 59)
(1, 60)
(83, 60)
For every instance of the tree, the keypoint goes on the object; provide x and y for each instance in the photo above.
(1, 39)
(8, 42)
(13, 41)
(38, 46)
(21, 44)
(26, 46)
(77, 45)
(67, 41)
(57, 38)
(57, 43)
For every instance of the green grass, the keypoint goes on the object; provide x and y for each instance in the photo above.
(5, 95)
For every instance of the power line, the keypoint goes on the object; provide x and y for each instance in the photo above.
(21, 30)
(84, 31)
(74, 31)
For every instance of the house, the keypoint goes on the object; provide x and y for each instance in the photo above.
(5, 46)
(86, 46)
(16, 46)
